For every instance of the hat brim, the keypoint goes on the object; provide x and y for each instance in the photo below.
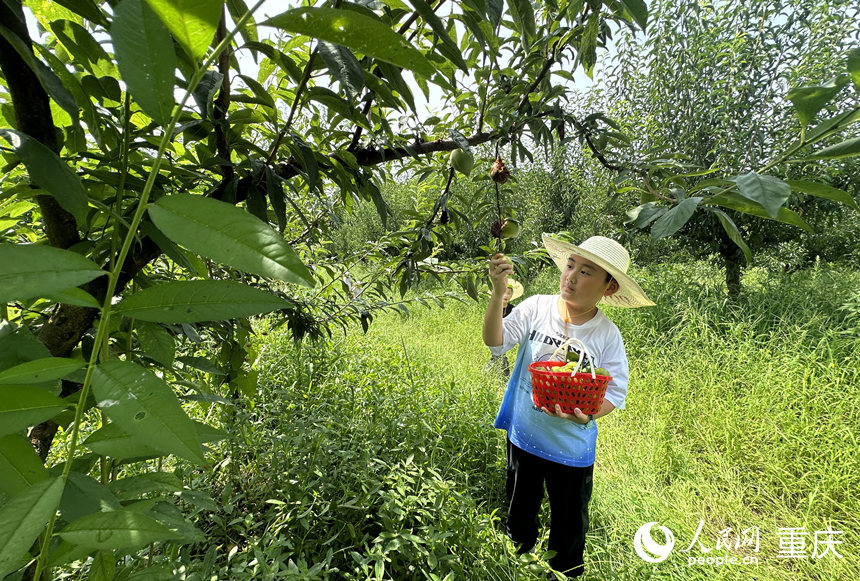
(629, 293)
(517, 289)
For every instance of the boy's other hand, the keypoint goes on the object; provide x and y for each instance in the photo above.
(577, 415)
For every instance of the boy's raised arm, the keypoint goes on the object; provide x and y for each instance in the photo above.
(499, 270)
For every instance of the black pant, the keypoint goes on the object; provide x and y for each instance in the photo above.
(569, 491)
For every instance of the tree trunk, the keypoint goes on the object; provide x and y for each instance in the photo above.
(733, 263)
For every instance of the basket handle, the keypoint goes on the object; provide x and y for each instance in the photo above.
(583, 352)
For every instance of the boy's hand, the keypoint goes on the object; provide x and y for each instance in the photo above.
(500, 268)
(577, 415)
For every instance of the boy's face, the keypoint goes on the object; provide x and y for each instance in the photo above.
(509, 292)
(583, 283)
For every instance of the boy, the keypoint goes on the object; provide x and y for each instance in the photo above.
(549, 447)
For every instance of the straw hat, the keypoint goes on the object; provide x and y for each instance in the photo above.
(609, 255)
(516, 287)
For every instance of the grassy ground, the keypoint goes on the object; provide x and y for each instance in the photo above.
(374, 457)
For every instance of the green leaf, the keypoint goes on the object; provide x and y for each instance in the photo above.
(674, 219)
(767, 191)
(144, 406)
(134, 486)
(307, 159)
(460, 140)
(587, 50)
(495, 9)
(255, 203)
(74, 296)
(47, 78)
(20, 467)
(117, 529)
(40, 370)
(111, 441)
(83, 48)
(358, 32)
(33, 270)
(85, 8)
(344, 67)
(261, 95)
(824, 129)
(145, 58)
(199, 363)
(206, 433)
(192, 22)
(853, 65)
(638, 10)
(429, 16)
(735, 201)
(820, 190)
(337, 105)
(733, 232)
(199, 300)
(170, 516)
(65, 552)
(22, 406)
(246, 383)
(157, 342)
(23, 518)
(809, 100)
(848, 148)
(103, 567)
(50, 173)
(18, 344)
(204, 92)
(226, 234)
(84, 495)
(645, 214)
(574, 8)
(523, 14)
(237, 9)
(275, 192)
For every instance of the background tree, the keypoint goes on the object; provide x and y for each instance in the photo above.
(708, 92)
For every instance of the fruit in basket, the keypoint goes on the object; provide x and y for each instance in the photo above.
(602, 371)
(462, 161)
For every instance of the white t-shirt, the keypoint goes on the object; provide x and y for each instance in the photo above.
(537, 327)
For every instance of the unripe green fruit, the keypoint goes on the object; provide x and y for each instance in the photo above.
(462, 161)
(510, 228)
(602, 371)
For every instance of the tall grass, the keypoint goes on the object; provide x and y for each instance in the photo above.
(373, 456)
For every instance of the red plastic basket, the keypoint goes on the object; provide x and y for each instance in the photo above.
(568, 389)
(578, 390)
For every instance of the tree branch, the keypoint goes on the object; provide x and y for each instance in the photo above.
(596, 152)
(222, 102)
(33, 117)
